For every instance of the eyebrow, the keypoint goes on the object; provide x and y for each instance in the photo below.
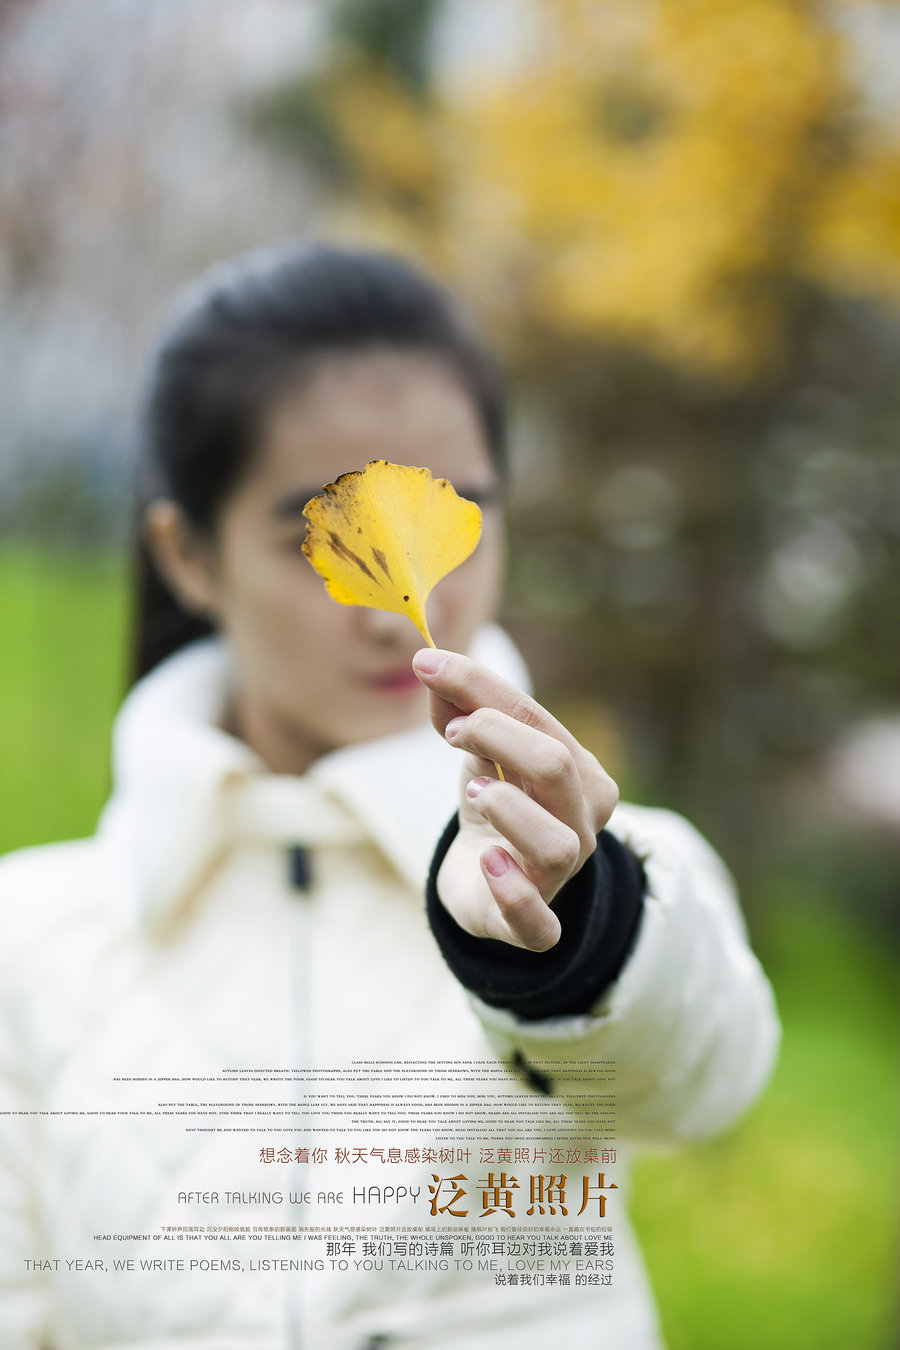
(290, 507)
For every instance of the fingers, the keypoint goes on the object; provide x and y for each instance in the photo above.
(489, 895)
(521, 916)
(462, 685)
(545, 769)
(549, 851)
(440, 710)
(526, 836)
(458, 685)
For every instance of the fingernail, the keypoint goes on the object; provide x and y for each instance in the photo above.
(453, 727)
(428, 661)
(496, 862)
(474, 786)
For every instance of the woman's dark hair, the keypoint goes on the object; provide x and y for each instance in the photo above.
(240, 336)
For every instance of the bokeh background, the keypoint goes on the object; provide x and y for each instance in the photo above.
(679, 222)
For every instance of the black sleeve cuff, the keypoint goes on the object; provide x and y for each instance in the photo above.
(599, 909)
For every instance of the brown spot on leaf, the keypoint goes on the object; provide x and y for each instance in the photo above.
(382, 562)
(341, 549)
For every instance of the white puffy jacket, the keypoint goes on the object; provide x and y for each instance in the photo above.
(173, 945)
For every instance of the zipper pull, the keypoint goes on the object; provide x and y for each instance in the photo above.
(300, 870)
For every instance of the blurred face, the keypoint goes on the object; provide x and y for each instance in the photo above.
(315, 674)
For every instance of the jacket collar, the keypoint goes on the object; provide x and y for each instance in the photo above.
(186, 792)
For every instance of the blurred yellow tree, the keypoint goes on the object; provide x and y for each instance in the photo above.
(661, 172)
(681, 219)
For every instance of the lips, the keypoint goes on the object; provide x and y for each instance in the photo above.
(398, 681)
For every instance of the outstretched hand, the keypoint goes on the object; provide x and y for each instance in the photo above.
(520, 840)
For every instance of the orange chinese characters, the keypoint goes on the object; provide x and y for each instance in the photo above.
(547, 1193)
(498, 1194)
(596, 1193)
(439, 1189)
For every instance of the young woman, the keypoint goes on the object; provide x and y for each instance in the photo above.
(308, 863)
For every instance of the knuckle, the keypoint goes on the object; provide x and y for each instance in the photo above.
(588, 840)
(479, 722)
(490, 803)
(527, 711)
(556, 764)
(583, 858)
(564, 853)
(609, 798)
(593, 770)
(595, 774)
(600, 790)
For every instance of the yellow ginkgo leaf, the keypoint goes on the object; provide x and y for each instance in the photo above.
(384, 537)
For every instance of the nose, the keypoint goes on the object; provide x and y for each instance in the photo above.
(384, 628)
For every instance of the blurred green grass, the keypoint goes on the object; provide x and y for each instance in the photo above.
(62, 663)
(782, 1234)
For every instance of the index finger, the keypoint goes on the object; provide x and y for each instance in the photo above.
(461, 685)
